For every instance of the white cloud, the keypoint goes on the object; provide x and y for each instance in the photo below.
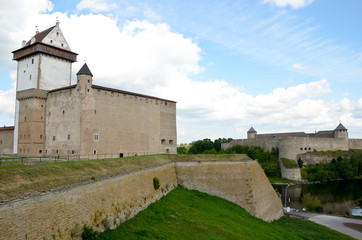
(292, 3)
(95, 5)
(152, 59)
(299, 66)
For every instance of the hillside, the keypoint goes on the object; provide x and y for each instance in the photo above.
(186, 214)
(20, 180)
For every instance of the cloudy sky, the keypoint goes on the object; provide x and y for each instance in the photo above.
(276, 65)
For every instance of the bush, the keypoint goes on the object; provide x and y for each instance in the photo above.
(319, 208)
(89, 233)
(300, 163)
(156, 183)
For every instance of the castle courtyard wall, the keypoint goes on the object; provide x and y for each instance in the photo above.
(108, 202)
(6, 140)
(354, 143)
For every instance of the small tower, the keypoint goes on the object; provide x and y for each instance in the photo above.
(340, 131)
(44, 63)
(84, 79)
(251, 133)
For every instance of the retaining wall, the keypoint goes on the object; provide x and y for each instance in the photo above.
(107, 203)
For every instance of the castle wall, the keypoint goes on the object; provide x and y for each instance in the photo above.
(6, 140)
(354, 143)
(267, 144)
(62, 130)
(243, 183)
(290, 148)
(110, 201)
(289, 173)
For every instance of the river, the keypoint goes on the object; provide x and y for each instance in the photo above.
(337, 197)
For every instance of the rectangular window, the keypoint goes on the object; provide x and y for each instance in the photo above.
(96, 137)
(68, 136)
(53, 138)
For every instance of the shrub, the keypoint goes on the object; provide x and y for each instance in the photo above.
(89, 233)
(319, 208)
(156, 183)
(312, 203)
(300, 163)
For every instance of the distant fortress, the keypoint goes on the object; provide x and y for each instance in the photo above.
(291, 144)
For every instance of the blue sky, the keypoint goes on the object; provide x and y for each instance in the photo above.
(278, 65)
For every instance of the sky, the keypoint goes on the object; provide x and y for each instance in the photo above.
(276, 65)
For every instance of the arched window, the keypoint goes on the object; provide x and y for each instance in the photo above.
(163, 141)
(170, 142)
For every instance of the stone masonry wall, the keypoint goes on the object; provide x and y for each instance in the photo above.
(243, 183)
(107, 203)
(111, 200)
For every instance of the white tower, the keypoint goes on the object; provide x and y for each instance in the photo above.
(45, 63)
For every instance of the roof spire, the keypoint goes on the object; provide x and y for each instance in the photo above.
(85, 70)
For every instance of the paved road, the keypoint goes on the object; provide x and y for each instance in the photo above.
(348, 226)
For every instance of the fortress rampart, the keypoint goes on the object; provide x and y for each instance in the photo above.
(107, 203)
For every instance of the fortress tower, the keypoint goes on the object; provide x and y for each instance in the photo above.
(341, 131)
(251, 133)
(44, 63)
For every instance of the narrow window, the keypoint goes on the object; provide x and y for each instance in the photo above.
(45, 137)
(51, 41)
(62, 45)
(94, 151)
(28, 136)
(53, 138)
(57, 33)
(32, 61)
(95, 111)
(88, 80)
(163, 141)
(301, 149)
(309, 148)
(57, 151)
(96, 137)
(170, 142)
(165, 103)
(49, 113)
(63, 112)
(24, 119)
(68, 136)
(40, 151)
(30, 77)
(72, 151)
(41, 136)
(305, 148)
(87, 90)
(41, 105)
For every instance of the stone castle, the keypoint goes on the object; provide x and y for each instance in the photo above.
(292, 144)
(53, 117)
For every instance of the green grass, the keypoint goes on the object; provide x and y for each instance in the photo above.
(289, 163)
(188, 214)
(20, 180)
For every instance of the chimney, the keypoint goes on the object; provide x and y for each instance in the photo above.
(23, 43)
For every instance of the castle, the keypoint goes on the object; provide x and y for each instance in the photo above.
(53, 117)
(292, 144)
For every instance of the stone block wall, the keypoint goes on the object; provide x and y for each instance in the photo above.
(243, 183)
(107, 203)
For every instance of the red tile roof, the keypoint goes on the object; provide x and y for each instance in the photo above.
(6, 128)
(40, 36)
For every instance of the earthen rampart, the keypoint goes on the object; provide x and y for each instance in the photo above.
(106, 203)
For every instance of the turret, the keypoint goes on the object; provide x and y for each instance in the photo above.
(251, 133)
(340, 131)
(84, 79)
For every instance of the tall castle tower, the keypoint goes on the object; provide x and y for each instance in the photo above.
(44, 63)
(251, 133)
(341, 131)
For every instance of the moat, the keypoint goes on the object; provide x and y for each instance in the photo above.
(337, 197)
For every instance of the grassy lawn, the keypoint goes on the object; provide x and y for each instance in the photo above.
(19, 180)
(289, 163)
(186, 214)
